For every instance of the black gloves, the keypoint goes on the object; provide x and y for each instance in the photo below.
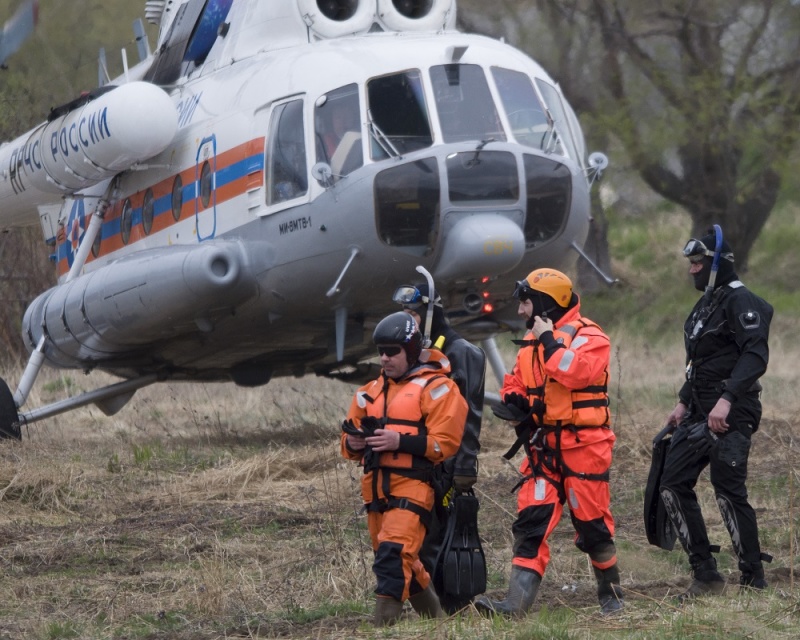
(349, 427)
(701, 439)
(508, 412)
(514, 408)
(518, 401)
(369, 424)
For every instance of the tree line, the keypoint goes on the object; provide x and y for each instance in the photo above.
(700, 99)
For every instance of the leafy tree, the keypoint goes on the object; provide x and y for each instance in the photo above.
(704, 96)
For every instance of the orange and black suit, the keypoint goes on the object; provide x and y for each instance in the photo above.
(564, 376)
(426, 408)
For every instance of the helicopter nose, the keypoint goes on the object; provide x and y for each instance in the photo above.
(479, 244)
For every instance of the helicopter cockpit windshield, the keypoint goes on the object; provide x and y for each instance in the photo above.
(337, 128)
(398, 115)
(464, 104)
(407, 113)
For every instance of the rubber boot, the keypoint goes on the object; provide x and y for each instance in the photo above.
(426, 603)
(522, 587)
(706, 580)
(387, 611)
(609, 593)
(752, 576)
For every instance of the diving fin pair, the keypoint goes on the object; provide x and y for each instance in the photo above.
(460, 572)
(657, 523)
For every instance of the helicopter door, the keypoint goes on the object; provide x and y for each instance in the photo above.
(205, 189)
(285, 162)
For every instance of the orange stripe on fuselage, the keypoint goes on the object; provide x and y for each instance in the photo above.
(237, 187)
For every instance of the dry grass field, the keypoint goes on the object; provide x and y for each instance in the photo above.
(205, 512)
(208, 511)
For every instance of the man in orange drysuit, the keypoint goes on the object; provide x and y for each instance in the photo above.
(399, 426)
(557, 395)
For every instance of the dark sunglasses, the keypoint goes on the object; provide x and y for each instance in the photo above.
(391, 350)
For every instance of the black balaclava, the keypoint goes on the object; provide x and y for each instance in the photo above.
(725, 271)
(544, 304)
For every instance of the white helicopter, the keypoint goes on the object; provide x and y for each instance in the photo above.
(241, 203)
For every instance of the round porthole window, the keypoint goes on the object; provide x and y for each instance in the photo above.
(177, 198)
(126, 221)
(206, 178)
(148, 209)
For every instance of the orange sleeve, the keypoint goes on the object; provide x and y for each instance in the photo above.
(513, 382)
(445, 412)
(583, 363)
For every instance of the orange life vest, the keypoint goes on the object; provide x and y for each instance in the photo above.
(403, 415)
(587, 407)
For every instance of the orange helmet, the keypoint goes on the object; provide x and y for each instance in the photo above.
(549, 282)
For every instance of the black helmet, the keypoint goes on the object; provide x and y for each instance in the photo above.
(399, 328)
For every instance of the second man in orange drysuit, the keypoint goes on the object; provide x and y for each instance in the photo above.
(557, 396)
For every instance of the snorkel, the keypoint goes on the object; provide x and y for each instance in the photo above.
(712, 278)
(708, 294)
(426, 334)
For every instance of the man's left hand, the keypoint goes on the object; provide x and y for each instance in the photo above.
(384, 440)
(541, 325)
(717, 418)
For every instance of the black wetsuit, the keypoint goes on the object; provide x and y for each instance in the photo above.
(726, 354)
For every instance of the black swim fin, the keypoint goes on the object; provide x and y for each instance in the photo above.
(460, 572)
(657, 524)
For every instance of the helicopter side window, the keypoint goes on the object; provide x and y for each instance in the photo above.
(126, 221)
(337, 127)
(287, 175)
(548, 185)
(398, 114)
(176, 201)
(464, 103)
(148, 211)
(407, 205)
(562, 141)
(524, 111)
(206, 184)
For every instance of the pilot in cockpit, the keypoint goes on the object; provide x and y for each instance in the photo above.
(339, 134)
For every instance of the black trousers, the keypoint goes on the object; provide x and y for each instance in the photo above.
(727, 462)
